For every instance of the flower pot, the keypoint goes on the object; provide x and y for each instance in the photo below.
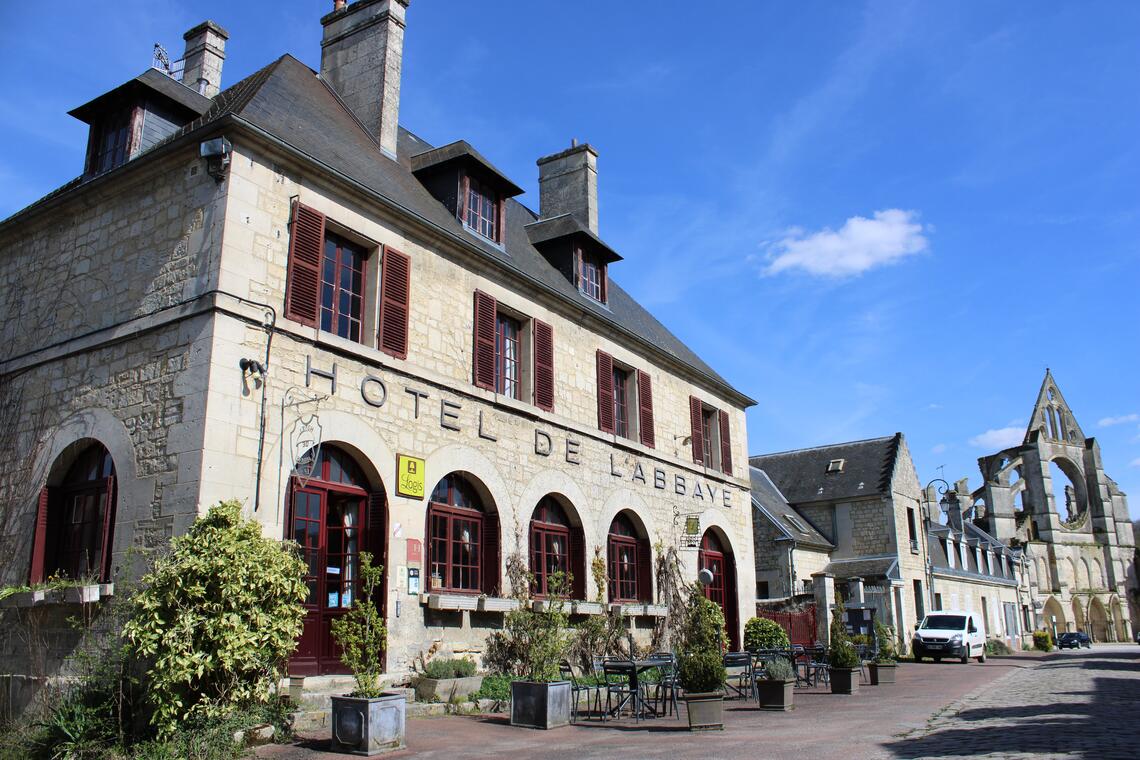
(82, 594)
(882, 672)
(540, 705)
(706, 711)
(362, 726)
(446, 689)
(775, 695)
(843, 680)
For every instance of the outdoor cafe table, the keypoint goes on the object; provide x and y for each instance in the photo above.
(640, 706)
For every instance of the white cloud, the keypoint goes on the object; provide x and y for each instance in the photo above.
(1134, 462)
(859, 245)
(999, 438)
(938, 448)
(1110, 421)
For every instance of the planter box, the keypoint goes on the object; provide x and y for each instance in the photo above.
(843, 680)
(453, 602)
(880, 673)
(447, 689)
(775, 695)
(587, 608)
(629, 610)
(656, 610)
(706, 711)
(368, 726)
(106, 589)
(29, 598)
(540, 705)
(81, 594)
(497, 604)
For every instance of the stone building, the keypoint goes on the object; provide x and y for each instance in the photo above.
(1051, 496)
(274, 292)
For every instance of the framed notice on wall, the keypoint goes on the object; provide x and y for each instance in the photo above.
(409, 476)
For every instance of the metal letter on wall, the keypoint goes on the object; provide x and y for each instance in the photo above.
(410, 476)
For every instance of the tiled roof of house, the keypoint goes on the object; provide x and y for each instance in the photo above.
(865, 470)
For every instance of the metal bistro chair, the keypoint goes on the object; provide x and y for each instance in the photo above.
(666, 688)
(617, 674)
(864, 653)
(593, 691)
(738, 667)
(817, 665)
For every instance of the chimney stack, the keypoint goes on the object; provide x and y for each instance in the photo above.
(362, 52)
(205, 53)
(568, 184)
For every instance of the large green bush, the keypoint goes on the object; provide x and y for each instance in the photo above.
(700, 663)
(533, 641)
(762, 633)
(216, 618)
(1043, 641)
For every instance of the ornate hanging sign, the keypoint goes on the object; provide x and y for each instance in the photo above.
(305, 446)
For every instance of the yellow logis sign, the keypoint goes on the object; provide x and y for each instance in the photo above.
(410, 476)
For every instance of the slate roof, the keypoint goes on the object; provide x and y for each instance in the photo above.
(150, 80)
(289, 103)
(767, 496)
(802, 475)
(868, 569)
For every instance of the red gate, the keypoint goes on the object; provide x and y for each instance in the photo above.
(800, 626)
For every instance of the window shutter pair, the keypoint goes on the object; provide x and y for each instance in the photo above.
(302, 292)
(483, 363)
(490, 584)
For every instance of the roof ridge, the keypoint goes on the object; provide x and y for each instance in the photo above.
(817, 448)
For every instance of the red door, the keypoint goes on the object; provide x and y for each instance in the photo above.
(722, 590)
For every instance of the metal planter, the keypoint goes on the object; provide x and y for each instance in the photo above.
(362, 726)
(881, 673)
(706, 711)
(540, 705)
(775, 695)
(843, 680)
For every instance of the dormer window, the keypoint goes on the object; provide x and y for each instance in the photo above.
(591, 276)
(110, 142)
(481, 209)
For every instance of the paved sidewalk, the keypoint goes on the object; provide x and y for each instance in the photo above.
(1074, 704)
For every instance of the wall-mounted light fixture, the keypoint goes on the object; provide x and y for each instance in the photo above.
(217, 154)
(252, 368)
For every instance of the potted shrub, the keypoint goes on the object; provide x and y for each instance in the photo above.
(762, 633)
(882, 668)
(776, 685)
(842, 659)
(700, 662)
(447, 680)
(369, 720)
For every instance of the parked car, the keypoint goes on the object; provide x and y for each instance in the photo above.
(1074, 640)
(949, 633)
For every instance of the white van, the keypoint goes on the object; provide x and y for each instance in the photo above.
(950, 633)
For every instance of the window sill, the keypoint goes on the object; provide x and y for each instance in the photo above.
(88, 594)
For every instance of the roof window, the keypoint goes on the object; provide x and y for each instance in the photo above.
(836, 465)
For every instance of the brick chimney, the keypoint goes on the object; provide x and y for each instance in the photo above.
(568, 184)
(205, 53)
(362, 54)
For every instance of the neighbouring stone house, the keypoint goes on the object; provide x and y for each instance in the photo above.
(275, 292)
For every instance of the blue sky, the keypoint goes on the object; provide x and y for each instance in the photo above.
(871, 217)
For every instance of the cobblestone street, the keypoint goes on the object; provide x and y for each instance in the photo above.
(1073, 704)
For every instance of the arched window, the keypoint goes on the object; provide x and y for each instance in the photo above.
(556, 545)
(629, 563)
(75, 521)
(463, 539)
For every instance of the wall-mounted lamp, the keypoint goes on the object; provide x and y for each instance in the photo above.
(253, 368)
(705, 577)
(217, 154)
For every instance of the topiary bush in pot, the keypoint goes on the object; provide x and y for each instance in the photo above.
(447, 679)
(700, 661)
(762, 633)
(882, 668)
(842, 659)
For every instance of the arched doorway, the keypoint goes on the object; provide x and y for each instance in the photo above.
(333, 515)
(75, 519)
(629, 562)
(463, 538)
(1054, 617)
(716, 556)
(556, 545)
(1098, 621)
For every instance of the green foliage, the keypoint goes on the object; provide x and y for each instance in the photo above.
(361, 632)
(449, 667)
(762, 633)
(81, 726)
(700, 664)
(599, 636)
(997, 646)
(213, 738)
(887, 653)
(598, 570)
(1043, 641)
(215, 619)
(779, 669)
(841, 653)
(495, 687)
(533, 642)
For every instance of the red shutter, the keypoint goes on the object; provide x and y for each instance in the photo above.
(490, 584)
(306, 241)
(577, 563)
(605, 392)
(484, 358)
(375, 540)
(725, 444)
(543, 366)
(698, 439)
(644, 571)
(39, 537)
(645, 408)
(108, 538)
(395, 300)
